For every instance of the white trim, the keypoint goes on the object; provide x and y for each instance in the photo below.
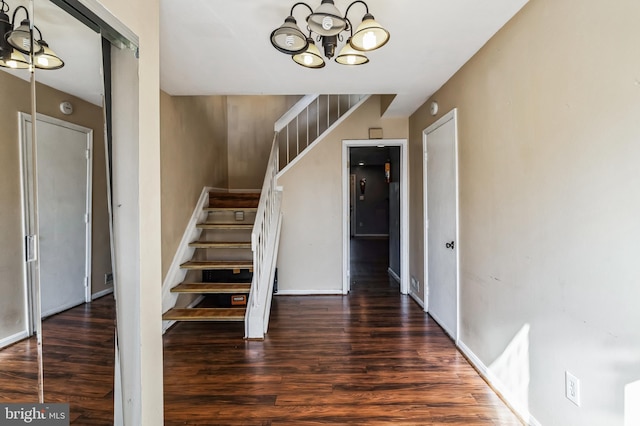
(404, 208)
(102, 293)
(451, 115)
(497, 385)
(393, 274)
(175, 275)
(293, 112)
(9, 340)
(417, 299)
(324, 135)
(26, 223)
(308, 293)
(166, 325)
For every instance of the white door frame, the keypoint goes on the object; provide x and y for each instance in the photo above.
(30, 215)
(404, 208)
(451, 115)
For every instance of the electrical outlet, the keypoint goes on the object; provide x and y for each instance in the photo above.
(572, 388)
(108, 278)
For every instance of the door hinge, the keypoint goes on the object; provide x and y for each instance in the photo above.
(88, 154)
(86, 218)
(86, 282)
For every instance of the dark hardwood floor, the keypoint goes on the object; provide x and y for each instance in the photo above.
(370, 358)
(78, 355)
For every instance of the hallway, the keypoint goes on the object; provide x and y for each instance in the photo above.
(372, 357)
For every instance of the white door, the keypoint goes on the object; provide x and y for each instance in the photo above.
(63, 209)
(441, 245)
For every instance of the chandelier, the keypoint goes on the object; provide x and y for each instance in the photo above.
(327, 23)
(16, 42)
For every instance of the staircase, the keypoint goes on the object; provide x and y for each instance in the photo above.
(221, 269)
(228, 253)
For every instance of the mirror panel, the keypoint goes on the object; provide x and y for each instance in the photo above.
(19, 363)
(78, 343)
(78, 349)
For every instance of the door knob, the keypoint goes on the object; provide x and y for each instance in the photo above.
(451, 245)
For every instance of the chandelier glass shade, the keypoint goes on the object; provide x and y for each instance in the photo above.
(310, 58)
(16, 42)
(327, 24)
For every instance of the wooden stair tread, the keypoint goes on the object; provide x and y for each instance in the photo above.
(220, 244)
(218, 264)
(234, 199)
(205, 314)
(212, 288)
(214, 225)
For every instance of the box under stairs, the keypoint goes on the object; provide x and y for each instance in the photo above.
(221, 269)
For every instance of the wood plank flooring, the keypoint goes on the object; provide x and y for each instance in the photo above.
(78, 355)
(372, 358)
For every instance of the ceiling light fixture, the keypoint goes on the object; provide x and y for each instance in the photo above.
(327, 23)
(18, 42)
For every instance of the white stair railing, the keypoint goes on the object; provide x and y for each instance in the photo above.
(297, 130)
(308, 120)
(264, 243)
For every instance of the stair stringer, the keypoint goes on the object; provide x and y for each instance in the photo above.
(175, 274)
(324, 134)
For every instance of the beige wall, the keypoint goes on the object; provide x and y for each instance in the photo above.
(12, 307)
(193, 155)
(251, 120)
(549, 147)
(12, 302)
(310, 255)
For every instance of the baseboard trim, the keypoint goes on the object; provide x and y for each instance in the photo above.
(166, 325)
(497, 386)
(102, 293)
(393, 275)
(10, 340)
(308, 293)
(416, 299)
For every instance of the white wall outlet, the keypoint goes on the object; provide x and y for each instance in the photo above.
(572, 388)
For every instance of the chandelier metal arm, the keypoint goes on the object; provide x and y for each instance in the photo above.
(4, 5)
(357, 1)
(13, 19)
(39, 32)
(298, 4)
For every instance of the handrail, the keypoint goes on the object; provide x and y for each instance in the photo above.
(294, 111)
(308, 119)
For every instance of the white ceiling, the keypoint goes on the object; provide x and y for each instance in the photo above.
(214, 47)
(221, 47)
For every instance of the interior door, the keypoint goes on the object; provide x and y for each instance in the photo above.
(63, 210)
(441, 226)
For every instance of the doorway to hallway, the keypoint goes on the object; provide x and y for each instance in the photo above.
(375, 202)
